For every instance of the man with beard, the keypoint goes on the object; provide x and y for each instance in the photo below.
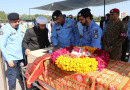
(64, 31)
(91, 31)
(36, 37)
(11, 36)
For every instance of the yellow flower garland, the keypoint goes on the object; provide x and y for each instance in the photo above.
(82, 65)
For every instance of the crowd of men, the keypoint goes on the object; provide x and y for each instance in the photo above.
(16, 43)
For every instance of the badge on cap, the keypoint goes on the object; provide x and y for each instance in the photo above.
(79, 14)
(54, 16)
(112, 11)
(1, 32)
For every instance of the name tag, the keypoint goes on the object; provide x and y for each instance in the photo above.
(12, 34)
(69, 27)
(57, 29)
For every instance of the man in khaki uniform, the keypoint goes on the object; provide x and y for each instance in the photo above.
(114, 36)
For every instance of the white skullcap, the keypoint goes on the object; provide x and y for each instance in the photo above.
(41, 20)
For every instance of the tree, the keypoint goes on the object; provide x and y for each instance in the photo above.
(3, 16)
(97, 18)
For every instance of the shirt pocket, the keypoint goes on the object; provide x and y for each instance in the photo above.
(59, 33)
(67, 31)
(87, 36)
(13, 36)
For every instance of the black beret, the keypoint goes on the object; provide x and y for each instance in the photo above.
(125, 19)
(56, 14)
(108, 15)
(64, 15)
(13, 16)
(84, 12)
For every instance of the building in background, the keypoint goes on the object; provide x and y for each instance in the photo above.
(123, 14)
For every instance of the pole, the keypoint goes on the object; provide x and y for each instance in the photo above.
(28, 19)
(104, 7)
(29, 12)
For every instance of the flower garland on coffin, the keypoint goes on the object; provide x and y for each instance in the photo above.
(80, 59)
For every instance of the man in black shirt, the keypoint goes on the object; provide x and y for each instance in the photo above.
(101, 22)
(36, 37)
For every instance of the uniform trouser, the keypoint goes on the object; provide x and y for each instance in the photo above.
(13, 73)
(116, 53)
(25, 60)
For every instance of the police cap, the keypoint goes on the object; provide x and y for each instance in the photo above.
(13, 16)
(56, 14)
(85, 13)
(70, 16)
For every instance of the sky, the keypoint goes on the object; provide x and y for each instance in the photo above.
(22, 7)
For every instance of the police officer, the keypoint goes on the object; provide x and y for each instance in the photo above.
(64, 31)
(70, 16)
(125, 48)
(36, 37)
(91, 31)
(11, 36)
(73, 20)
(115, 35)
(105, 23)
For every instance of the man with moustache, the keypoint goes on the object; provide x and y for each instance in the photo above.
(11, 36)
(91, 31)
(64, 32)
(115, 35)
